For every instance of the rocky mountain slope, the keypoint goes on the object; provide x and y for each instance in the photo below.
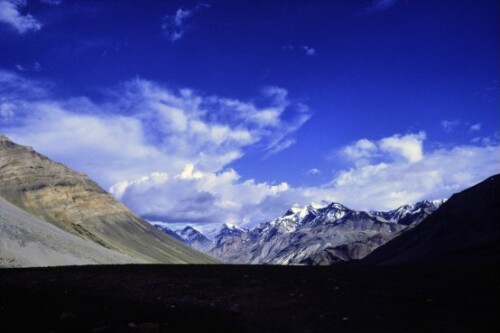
(317, 234)
(195, 239)
(74, 203)
(464, 230)
(27, 241)
(189, 236)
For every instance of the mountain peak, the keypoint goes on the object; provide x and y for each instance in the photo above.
(337, 206)
(233, 228)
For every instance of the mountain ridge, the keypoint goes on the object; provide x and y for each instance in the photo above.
(315, 234)
(73, 202)
(464, 230)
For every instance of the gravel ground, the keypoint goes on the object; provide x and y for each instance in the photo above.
(217, 298)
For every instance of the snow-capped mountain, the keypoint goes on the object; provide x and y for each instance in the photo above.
(312, 234)
(195, 239)
(228, 231)
(228, 242)
(168, 231)
(317, 234)
(408, 213)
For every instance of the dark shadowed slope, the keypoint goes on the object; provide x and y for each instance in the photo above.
(464, 230)
(73, 202)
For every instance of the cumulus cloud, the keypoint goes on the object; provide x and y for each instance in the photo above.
(383, 182)
(197, 197)
(408, 147)
(438, 174)
(175, 26)
(10, 14)
(361, 151)
(396, 170)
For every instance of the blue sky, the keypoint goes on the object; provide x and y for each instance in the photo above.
(232, 111)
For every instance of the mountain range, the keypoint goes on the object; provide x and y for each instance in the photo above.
(463, 230)
(53, 215)
(313, 234)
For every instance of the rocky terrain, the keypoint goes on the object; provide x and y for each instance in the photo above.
(27, 241)
(195, 239)
(189, 235)
(464, 230)
(251, 298)
(317, 235)
(73, 203)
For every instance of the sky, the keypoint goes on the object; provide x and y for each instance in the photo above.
(214, 112)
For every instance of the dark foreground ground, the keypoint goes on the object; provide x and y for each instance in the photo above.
(147, 298)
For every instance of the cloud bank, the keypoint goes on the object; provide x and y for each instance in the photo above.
(10, 14)
(167, 153)
(142, 127)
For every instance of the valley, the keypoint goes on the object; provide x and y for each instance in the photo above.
(252, 298)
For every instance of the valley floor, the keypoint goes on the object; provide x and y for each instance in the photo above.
(216, 298)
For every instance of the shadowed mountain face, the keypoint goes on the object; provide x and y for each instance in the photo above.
(195, 239)
(71, 201)
(464, 230)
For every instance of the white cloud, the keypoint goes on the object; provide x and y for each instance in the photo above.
(205, 199)
(175, 26)
(52, 2)
(408, 147)
(449, 125)
(475, 127)
(143, 127)
(491, 140)
(438, 174)
(360, 152)
(35, 67)
(310, 51)
(379, 186)
(16, 87)
(10, 13)
(313, 172)
(6, 111)
(380, 5)
(307, 50)
(198, 197)
(279, 147)
(166, 153)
